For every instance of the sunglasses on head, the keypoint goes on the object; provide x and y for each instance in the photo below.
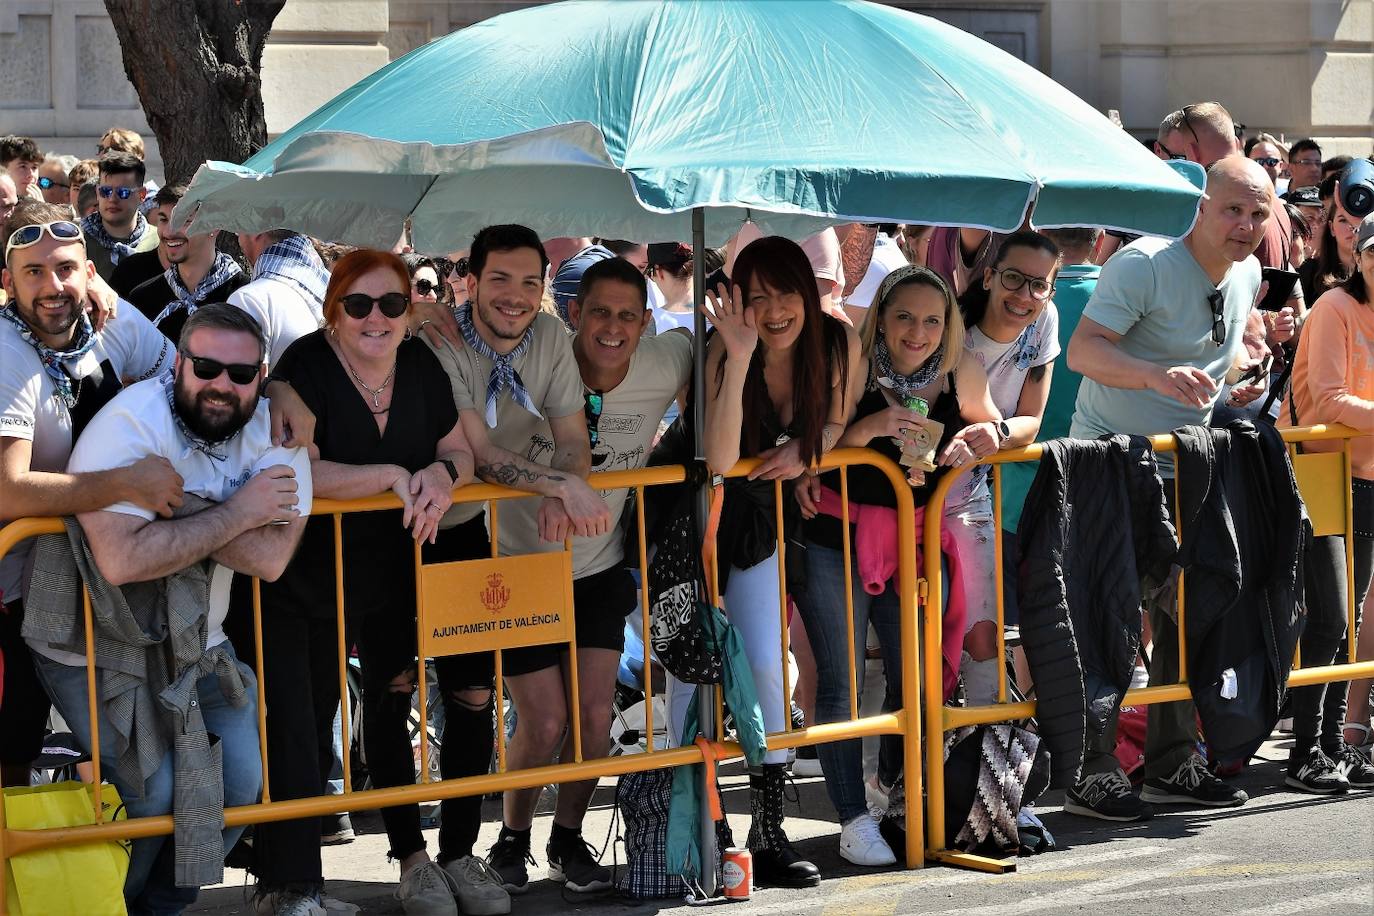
(46, 183)
(592, 411)
(1012, 280)
(107, 191)
(26, 236)
(207, 370)
(1217, 303)
(359, 305)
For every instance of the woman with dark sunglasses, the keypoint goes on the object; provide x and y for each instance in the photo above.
(385, 420)
(426, 284)
(1013, 332)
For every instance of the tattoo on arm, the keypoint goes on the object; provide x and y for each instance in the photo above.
(828, 437)
(510, 474)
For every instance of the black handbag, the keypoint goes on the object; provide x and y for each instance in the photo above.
(677, 606)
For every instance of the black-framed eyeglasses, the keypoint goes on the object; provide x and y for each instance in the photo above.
(207, 369)
(1310, 163)
(1218, 304)
(106, 191)
(592, 410)
(425, 287)
(1012, 280)
(1170, 153)
(359, 305)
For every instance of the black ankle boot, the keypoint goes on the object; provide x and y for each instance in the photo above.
(776, 863)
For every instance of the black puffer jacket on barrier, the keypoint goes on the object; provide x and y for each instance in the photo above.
(1243, 526)
(1095, 528)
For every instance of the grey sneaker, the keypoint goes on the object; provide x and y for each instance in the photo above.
(287, 903)
(1193, 784)
(427, 890)
(479, 889)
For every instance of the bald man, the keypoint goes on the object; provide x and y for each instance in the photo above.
(1156, 340)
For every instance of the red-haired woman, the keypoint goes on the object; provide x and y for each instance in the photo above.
(385, 420)
(778, 385)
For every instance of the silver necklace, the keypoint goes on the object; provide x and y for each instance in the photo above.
(375, 392)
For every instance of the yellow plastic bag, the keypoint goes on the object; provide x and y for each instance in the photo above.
(86, 879)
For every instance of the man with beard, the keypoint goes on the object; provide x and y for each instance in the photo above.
(56, 371)
(513, 375)
(628, 379)
(118, 229)
(196, 274)
(209, 422)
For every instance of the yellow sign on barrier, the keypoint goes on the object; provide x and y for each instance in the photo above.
(500, 603)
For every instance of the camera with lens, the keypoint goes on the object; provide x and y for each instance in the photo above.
(1357, 188)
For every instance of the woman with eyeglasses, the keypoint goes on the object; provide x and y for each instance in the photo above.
(1013, 333)
(913, 345)
(385, 421)
(779, 381)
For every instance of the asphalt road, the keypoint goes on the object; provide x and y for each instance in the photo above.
(1282, 853)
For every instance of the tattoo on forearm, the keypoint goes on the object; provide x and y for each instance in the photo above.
(828, 436)
(510, 474)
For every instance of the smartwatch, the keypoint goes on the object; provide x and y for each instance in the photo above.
(452, 471)
(1003, 433)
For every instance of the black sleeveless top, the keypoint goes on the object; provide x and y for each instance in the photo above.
(868, 485)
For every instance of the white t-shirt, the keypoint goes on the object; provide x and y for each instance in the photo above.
(1007, 364)
(630, 412)
(31, 409)
(282, 308)
(665, 321)
(138, 423)
(549, 371)
(887, 257)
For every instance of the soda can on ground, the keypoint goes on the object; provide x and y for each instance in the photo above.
(738, 873)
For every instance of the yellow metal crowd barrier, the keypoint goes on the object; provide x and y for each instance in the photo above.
(1325, 484)
(905, 722)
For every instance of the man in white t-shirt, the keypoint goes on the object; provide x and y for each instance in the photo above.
(628, 379)
(56, 371)
(286, 295)
(208, 421)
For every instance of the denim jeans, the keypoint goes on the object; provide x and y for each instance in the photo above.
(822, 609)
(150, 886)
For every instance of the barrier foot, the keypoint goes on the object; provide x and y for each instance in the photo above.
(970, 861)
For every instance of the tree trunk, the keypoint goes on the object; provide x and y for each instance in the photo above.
(197, 68)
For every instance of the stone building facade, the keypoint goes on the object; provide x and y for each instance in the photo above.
(1292, 67)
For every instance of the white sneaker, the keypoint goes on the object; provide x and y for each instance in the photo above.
(862, 844)
(479, 889)
(427, 890)
(287, 903)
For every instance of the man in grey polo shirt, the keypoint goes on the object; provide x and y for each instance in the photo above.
(1156, 340)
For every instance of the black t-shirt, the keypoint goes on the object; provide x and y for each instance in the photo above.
(153, 295)
(868, 485)
(134, 270)
(378, 552)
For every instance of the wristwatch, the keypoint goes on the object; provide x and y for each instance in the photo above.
(452, 470)
(1003, 433)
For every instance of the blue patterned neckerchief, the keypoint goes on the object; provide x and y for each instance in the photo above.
(53, 359)
(94, 228)
(294, 260)
(196, 442)
(903, 385)
(503, 374)
(224, 268)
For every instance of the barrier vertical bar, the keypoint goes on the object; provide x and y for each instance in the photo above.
(93, 706)
(499, 687)
(854, 661)
(1351, 598)
(908, 586)
(933, 675)
(262, 688)
(420, 669)
(341, 639)
(782, 608)
(1182, 577)
(647, 623)
(999, 583)
(574, 698)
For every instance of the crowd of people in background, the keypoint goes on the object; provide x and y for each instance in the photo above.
(186, 406)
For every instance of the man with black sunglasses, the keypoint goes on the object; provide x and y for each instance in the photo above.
(118, 228)
(246, 506)
(1157, 338)
(57, 369)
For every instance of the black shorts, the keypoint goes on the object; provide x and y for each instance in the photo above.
(24, 704)
(600, 603)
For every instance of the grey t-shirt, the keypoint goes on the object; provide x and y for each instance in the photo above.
(550, 374)
(1154, 293)
(31, 409)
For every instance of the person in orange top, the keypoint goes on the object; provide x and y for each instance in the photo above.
(1333, 382)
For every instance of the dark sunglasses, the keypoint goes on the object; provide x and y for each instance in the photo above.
(1268, 161)
(1218, 303)
(447, 268)
(592, 410)
(46, 183)
(106, 191)
(359, 305)
(424, 288)
(208, 370)
(1012, 280)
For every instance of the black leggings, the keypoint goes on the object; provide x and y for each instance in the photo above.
(1319, 709)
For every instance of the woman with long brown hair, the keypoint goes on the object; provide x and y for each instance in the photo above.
(778, 387)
